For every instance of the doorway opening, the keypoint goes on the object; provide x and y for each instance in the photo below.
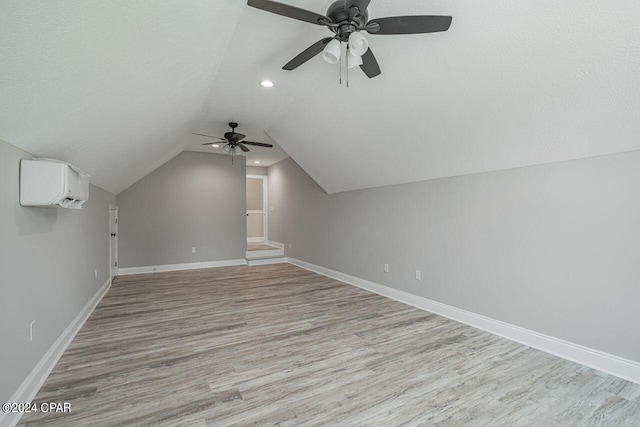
(257, 220)
(113, 241)
(260, 250)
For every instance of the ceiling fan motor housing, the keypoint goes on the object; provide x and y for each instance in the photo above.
(339, 14)
(229, 135)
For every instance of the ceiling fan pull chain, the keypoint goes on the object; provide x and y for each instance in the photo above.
(340, 65)
(347, 61)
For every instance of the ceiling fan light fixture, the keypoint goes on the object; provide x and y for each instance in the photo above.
(267, 83)
(232, 151)
(215, 145)
(358, 44)
(353, 60)
(331, 52)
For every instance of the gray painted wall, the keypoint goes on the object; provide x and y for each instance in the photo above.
(195, 199)
(256, 170)
(298, 213)
(254, 194)
(47, 260)
(552, 248)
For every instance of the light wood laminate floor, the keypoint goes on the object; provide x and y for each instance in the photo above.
(278, 345)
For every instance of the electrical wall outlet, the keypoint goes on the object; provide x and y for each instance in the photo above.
(386, 268)
(193, 250)
(271, 209)
(96, 273)
(32, 330)
(418, 275)
(289, 245)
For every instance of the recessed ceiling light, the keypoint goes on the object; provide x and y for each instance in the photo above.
(257, 162)
(215, 145)
(266, 83)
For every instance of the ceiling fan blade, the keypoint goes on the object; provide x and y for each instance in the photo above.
(243, 147)
(307, 54)
(418, 24)
(209, 136)
(370, 64)
(289, 11)
(257, 144)
(238, 136)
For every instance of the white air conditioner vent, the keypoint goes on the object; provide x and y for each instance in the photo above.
(52, 183)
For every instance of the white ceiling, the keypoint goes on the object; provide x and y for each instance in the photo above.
(114, 87)
(117, 87)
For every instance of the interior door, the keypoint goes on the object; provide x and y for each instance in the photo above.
(113, 241)
(255, 209)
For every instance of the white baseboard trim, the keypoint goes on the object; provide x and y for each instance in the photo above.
(276, 244)
(31, 385)
(177, 267)
(255, 239)
(601, 361)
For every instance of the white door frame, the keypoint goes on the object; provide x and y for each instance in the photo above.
(113, 269)
(265, 205)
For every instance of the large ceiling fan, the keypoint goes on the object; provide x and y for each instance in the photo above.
(346, 18)
(233, 141)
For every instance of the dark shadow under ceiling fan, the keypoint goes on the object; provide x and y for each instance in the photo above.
(345, 18)
(233, 141)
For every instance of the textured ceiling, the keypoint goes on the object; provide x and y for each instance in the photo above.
(510, 84)
(114, 87)
(117, 87)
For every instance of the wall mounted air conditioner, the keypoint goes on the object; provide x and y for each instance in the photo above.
(52, 183)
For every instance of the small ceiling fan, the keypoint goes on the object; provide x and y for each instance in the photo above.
(233, 140)
(346, 18)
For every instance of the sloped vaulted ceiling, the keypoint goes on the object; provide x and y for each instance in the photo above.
(510, 84)
(112, 86)
(117, 87)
